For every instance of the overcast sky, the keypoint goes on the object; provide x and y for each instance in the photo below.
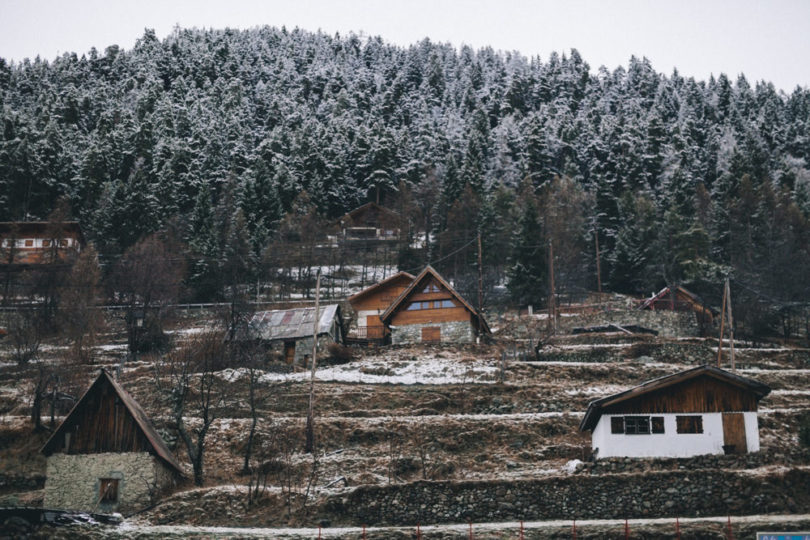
(766, 40)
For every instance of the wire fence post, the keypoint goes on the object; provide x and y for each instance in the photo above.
(418, 533)
(364, 532)
(319, 532)
(626, 529)
(521, 531)
(574, 530)
(677, 528)
(471, 534)
(730, 534)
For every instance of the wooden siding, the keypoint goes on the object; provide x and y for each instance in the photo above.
(424, 316)
(431, 334)
(382, 297)
(104, 424)
(701, 394)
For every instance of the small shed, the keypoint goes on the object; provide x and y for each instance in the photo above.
(430, 310)
(370, 222)
(106, 455)
(703, 410)
(676, 298)
(372, 301)
(290, 331)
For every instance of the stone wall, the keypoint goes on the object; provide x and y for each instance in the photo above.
(579, 496)
(73, 480)
(451, 332)
(303, 348)
(667, 323)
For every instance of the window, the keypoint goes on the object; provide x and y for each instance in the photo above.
(46, 243)
(29, 243)
(447, 303)
(63, 242)
(432, 287)
(689, 424)
(637, 425)
(108, 490)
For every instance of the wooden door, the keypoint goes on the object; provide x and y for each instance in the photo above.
(431, 334)
(289, 351)
(734, 433)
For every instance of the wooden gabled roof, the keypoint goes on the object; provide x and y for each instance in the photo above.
(144, 424)
(378, 286)
(595, 408)
(370, 206)
(412, 288)
(676, 289)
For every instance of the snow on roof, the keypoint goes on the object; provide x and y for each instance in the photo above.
(292, 323)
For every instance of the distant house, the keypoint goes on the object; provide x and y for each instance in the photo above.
(106, 456)
(703, 410)
(290, 331)
(372, 301)
(676, 298)
(430, 310)
(370, 222)
(26, 243)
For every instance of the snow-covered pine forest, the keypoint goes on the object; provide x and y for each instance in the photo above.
(244, 140)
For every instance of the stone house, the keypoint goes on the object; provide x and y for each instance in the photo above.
(703, 410)
(289, 332)
(106, 456)
(371, 302)
(430, 310)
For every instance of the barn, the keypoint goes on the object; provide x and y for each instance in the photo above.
(676, 298)
(289, 331)
(429, 310)
(703, 410)
(372, 301)
(106, 456)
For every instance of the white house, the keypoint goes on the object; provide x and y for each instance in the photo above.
(703, 410)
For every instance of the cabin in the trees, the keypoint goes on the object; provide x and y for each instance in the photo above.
(371, 302)
(106, 456)
(370, 222)
(430, 310)
(28, 243)
(703, 410)
(289, 332)
(676, 298)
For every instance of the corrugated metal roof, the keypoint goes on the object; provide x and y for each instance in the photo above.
(291, 323)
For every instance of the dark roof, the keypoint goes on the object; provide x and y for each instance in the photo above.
(594, 411)
(376, 286)
(429, 270)
(360, 210)
(134, 409)
(676, 289)
(292, 323)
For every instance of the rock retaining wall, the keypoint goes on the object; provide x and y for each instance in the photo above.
(667, 323)
(615, 496)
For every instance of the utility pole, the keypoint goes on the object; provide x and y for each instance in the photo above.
(309, 446)
(598, 264)
(552, 303)
(480, 278)
(722, 320)
(730, 323)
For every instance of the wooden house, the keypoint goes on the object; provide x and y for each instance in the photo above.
(703, 410)
(106, 456)
(676, 298)
(289, 332)
(370, 222)
(27, 243)
(430, 310)
(372, 301)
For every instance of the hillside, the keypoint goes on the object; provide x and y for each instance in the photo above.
(403, 431)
